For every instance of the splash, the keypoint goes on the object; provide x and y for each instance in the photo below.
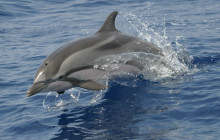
(176, 60)
(54, 101)
(73, 98)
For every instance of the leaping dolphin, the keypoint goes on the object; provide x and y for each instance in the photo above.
(73, 64)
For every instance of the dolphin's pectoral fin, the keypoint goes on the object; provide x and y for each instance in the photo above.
(92, 85)
(87, 84)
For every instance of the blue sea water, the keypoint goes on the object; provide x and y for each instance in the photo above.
(183, 105)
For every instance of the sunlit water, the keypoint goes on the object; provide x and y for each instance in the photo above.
(176, 96)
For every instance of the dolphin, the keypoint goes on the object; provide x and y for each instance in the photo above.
(73, 64)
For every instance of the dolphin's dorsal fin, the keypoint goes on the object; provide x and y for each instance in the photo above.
(109, 24)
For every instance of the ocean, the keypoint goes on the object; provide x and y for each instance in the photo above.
(179, 100)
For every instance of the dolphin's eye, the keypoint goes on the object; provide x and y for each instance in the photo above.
(46, 64)
(60, 77)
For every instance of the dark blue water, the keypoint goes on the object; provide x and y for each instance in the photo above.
(184, 107)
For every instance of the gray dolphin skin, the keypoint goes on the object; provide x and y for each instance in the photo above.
(73, 65)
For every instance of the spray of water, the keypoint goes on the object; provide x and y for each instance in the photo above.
(176, 59)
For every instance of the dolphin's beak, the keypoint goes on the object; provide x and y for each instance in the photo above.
(35, 88)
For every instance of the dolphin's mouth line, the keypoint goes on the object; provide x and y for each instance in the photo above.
(36, 88)
(40, 88)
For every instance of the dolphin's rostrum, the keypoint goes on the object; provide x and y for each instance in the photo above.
(73, 64)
